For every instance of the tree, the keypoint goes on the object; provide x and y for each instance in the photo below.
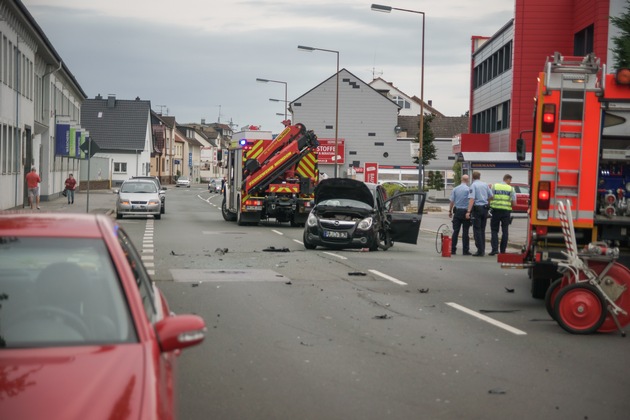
(621, 49)
(435, 180)
(457, 173)
(428, 148)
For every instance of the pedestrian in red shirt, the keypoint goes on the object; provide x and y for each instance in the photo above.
(71, 184)
(32, 183)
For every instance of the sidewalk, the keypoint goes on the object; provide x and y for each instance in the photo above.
(100, 201)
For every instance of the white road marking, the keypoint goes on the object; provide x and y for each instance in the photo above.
(299, 242)
(341, 257)
(487, 319)
(277, 231)
(390, 278)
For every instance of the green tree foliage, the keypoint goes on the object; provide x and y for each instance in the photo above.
(621, 49)
(428, 148)
(457, 173)
(435, 180)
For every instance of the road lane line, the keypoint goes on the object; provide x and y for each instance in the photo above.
(299, 242)
(390, 278)
(341, 257)
(486, 318)
(277, 231)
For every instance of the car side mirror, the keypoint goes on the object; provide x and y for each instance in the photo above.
(520, 150)
(116, 191)
(163, 189)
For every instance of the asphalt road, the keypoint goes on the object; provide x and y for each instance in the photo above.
(400, 334)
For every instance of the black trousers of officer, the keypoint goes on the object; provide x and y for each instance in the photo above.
(500, 218)
(480, 219)
(459, 222)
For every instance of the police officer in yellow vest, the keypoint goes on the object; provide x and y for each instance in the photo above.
(501, 206)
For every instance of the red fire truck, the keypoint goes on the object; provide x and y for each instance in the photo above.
(580, 155)
(271, 178)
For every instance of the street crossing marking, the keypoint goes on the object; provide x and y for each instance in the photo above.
(486, 319)
(386, 277)
(277, 231)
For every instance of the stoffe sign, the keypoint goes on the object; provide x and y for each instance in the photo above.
(371, 172)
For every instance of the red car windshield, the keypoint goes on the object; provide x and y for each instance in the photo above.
(58, 292)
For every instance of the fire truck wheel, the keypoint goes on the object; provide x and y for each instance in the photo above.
(227, 215)
(580, 308)
(552, 294)
(307, 244)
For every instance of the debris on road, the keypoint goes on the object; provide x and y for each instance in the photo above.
(507, 289)
(274, 249)
(384, 316)
(424, 290)
(497, 391)
(356, 273)
(221, 251)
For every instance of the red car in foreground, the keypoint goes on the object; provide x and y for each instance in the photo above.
(84, 332)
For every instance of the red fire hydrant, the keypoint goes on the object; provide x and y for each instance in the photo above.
(446, 242)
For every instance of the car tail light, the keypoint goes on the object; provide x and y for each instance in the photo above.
(253, 202)
(549, 118)
(544, 198)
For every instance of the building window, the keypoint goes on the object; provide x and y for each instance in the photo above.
(402, 102)
(583, 42)
(493, 66)
(120, 167)
(493, 119)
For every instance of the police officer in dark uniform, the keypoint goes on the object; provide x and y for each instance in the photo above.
(457, 211)
(478, 205)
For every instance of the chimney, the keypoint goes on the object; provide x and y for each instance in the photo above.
(98, 96)
(430, 103)
(203, 121)
(111, 101)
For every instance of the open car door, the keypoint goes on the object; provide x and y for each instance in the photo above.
(404, 214)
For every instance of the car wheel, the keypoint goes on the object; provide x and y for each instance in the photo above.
(157, 216)
(118, 216)
(163, 209)
(307, 244)
(384, 241)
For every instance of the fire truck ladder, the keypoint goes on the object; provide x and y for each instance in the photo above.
(573, 76)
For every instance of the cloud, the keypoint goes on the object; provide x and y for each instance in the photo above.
(194, 55)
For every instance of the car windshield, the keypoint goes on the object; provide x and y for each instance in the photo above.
(59, 292)
(345, 202)
(522, 189)
(138, 187)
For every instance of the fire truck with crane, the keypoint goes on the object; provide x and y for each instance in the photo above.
(271, 178)
(580, 159)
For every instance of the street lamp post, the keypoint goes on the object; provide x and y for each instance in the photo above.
(286, 106)
(311, 49)
(388, 9)
(285, 92)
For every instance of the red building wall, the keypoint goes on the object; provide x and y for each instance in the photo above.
(542, 27)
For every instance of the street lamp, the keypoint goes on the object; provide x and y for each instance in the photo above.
(311, 49)
(388, 9)
(285, 91)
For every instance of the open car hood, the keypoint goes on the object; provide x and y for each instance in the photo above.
(334, 188)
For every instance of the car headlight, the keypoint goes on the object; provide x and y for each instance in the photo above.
(365, 224)
(312, 220)
(124, 202)
(154, 202)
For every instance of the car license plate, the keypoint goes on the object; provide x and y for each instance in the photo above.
(138, 207)
(335, 234)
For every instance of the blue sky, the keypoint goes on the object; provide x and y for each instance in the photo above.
(197, 59)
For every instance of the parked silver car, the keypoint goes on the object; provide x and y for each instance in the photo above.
(138, 197)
